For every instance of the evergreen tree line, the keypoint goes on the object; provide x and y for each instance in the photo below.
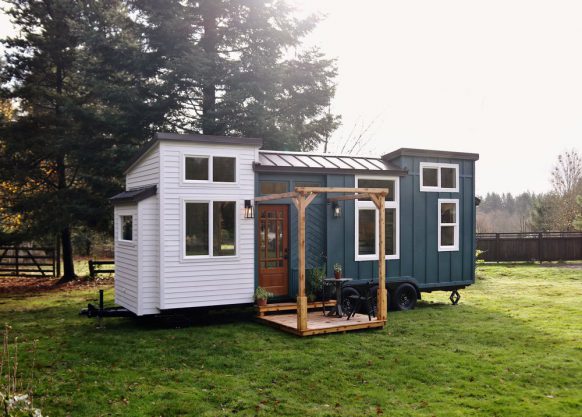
(84, 83)
(558, 210)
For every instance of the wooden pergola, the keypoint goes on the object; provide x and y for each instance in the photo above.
(301, 198)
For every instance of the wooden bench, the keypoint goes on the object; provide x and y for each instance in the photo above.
(291, 306)
(95, 268)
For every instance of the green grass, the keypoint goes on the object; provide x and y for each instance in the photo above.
(512, 347)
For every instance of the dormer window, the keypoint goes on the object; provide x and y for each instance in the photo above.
(438, 177)
(218, 169)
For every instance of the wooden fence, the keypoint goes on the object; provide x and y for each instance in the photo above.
(547, 246)
(28, 261)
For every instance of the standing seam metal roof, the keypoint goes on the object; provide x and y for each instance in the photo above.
(306, 162)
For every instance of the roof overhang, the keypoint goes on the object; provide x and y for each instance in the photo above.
(428, 153)
(135, 195)
(190, 138)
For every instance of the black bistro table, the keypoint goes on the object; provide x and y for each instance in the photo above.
(338, 283)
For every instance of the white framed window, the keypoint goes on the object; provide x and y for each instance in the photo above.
(366, 221)
(439, 177)
(448, 229)
(209, 168)
(210, 229)
(126, 228)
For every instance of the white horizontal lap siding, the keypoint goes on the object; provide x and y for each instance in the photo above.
(191, 282)
(149, 272)
(126, 261)
(146, 171)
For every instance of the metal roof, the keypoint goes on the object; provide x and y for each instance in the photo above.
(277, 161)
(134, 195)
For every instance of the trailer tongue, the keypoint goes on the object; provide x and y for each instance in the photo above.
(101, 311)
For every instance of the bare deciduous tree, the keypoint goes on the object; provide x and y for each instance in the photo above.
(567, 172)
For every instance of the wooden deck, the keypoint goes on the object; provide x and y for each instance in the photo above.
(274, 307)
(317, 323)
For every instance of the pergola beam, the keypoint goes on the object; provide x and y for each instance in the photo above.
(301, 198)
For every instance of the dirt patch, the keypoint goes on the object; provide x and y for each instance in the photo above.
(18, 285)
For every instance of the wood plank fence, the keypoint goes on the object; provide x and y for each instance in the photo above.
(28, 261)
(546, 246)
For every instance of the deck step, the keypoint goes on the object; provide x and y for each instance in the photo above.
(291, 306)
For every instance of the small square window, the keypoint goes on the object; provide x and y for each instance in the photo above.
(126, 223)
(430, 177)
(448, 177)
(223, 169)
(196, 168)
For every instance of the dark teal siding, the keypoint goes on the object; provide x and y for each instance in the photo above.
(332, 240)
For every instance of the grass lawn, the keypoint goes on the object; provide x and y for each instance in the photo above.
(512, 347)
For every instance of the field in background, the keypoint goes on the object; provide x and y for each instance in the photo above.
(510, 348)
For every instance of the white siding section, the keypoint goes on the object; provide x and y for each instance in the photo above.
(126, 260)
(146, 171)
(188, 282)
(149, 256)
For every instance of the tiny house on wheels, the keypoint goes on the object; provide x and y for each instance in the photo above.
(189, 233)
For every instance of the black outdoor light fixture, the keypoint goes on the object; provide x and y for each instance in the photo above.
(248, 209)
(336, 209)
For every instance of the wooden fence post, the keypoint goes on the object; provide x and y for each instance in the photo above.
(540, 244)
(497, 247)
(16, 251)
(58, 256)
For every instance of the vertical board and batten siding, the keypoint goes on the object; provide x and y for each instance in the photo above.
(146, 171)
(420, 260)
(126, 261)
(341, 239)
(315, 224)
(149, 253)
(191, 282)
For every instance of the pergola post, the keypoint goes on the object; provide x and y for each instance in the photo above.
(301, 298)
(382, 302)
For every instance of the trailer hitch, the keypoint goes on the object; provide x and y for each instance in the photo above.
(101, 311)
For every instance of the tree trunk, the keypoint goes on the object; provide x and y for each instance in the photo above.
(68, 265)
(209, 42)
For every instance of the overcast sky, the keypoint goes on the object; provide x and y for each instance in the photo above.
(502, 78)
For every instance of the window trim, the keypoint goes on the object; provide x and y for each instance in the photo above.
(210, 179)
(456, 225)
(120, 234)
(210, 205)
(370, 205)
(438, 166)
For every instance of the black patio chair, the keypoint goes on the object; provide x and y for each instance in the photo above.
(325, 297)
(365, 297)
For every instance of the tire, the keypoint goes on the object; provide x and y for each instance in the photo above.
(347, 304)
(404, 297)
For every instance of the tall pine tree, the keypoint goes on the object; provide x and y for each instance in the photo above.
(240, 69)
(87, 93)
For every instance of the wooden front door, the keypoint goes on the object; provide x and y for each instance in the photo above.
(273, 248)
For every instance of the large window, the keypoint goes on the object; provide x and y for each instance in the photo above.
(209, 168)
(203, 240)
(367, 233)
(448, 232)
(439, 177)
(126, 228)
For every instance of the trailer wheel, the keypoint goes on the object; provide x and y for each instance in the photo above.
(404, 297)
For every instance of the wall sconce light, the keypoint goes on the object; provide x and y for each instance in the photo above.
(249, 214)
(336, 209)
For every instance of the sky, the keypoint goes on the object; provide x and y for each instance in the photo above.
(498, 78)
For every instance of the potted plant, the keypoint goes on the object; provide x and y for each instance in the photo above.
(261, 296)
(337, 271)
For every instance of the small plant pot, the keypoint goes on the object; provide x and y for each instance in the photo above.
(261, 302)
(337, 274)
